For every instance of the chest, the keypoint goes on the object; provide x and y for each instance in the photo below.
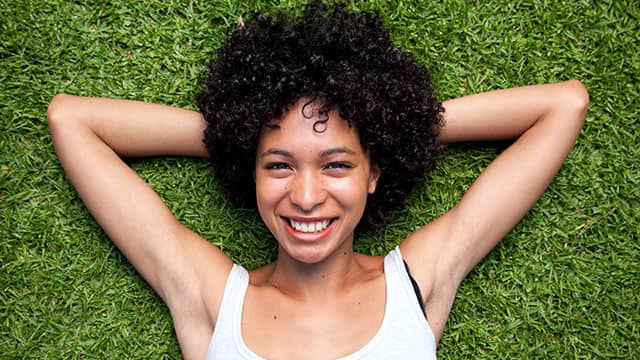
(275, 326)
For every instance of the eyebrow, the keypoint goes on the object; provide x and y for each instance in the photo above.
(325, 153)
(280, 152)
(337, 150)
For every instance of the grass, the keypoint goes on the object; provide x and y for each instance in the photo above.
(562, 284)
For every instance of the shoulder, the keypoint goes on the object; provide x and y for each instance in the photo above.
(427, 253)
(198, 277)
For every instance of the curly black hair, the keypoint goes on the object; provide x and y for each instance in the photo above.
(348, 63)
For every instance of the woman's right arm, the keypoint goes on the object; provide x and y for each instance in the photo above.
(90, 136)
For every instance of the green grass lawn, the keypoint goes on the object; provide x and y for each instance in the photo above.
(563, 284)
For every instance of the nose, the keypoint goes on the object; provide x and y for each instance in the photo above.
(307, 191)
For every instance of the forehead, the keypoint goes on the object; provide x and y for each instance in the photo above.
(304, 126)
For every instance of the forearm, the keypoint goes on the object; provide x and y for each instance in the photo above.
(506, 114)
(131, 128)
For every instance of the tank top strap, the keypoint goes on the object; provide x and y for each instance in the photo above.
(227, 334)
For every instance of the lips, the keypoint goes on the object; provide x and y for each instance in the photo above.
(308, 229)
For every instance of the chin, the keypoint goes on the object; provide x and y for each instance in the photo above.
(308, 254)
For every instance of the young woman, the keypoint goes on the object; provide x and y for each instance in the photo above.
(332, 126)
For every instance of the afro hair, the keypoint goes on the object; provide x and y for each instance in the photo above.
(344, 60)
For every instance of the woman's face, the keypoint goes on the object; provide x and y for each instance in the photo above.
(311, 186)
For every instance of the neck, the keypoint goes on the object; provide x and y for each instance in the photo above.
(315, 282)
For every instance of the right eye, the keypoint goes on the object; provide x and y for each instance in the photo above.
(277, 166)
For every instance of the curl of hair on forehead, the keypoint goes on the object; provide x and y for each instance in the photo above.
(316, 109)
(313, 108)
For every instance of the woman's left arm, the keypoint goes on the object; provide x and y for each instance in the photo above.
(545, 120)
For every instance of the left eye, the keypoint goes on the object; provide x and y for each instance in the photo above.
(337, 165)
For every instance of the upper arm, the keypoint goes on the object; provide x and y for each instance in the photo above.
(88, 135)
(546, 120)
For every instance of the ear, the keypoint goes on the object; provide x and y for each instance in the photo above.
(374, 175)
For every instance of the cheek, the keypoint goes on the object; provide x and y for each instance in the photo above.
(268, 192)
(350, 192)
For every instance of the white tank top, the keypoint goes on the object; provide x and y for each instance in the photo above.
(404, 333)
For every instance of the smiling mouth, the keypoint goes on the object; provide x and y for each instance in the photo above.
(309, 226)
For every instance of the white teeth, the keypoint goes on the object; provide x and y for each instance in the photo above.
(309, 227)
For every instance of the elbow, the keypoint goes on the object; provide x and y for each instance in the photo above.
(59, 112)
(579, 96)
(571, 102)
(577, 99)
(57, 107)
